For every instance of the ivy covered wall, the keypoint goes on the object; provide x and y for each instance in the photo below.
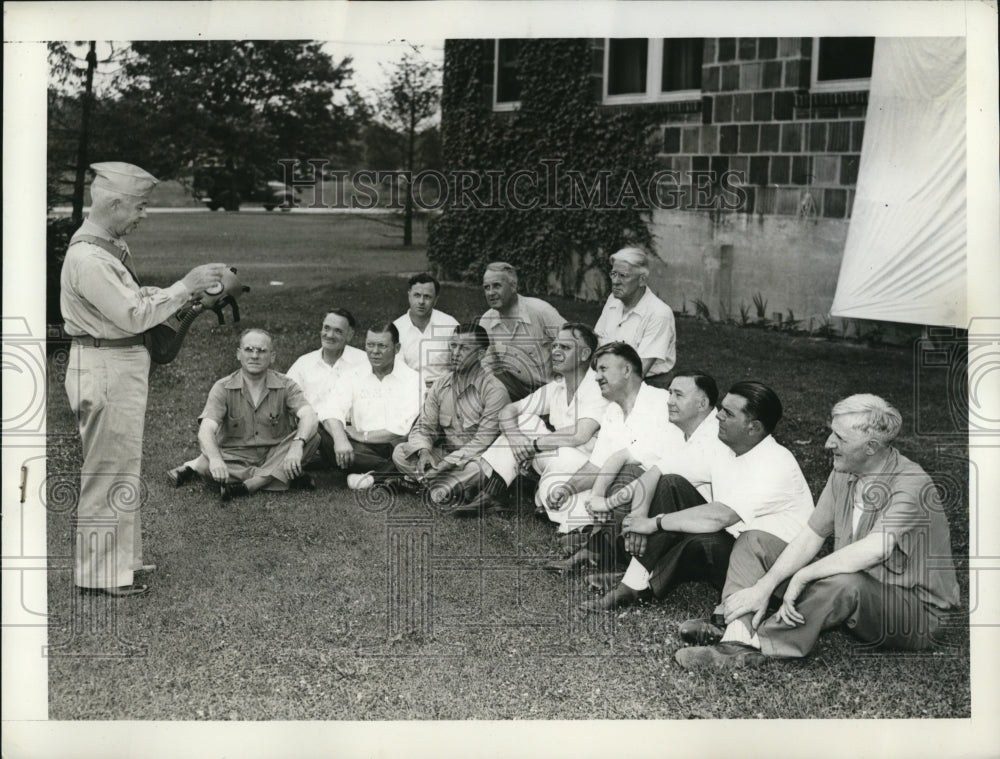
(558, 180)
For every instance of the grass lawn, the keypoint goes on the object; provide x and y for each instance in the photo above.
(285, 606)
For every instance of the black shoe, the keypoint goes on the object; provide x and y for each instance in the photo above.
(303, 482)
(182, 475)
(231, 490)
(604, 581)
(701, 632)
(618, 598)
(125, 591)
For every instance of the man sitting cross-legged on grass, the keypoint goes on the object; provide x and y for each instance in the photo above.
(687, 465)
(380, 403)
(636, 420)
(759, 497)
(256, 428)
(458, 421)
(323, 374)
(889, 579)
(552, 430)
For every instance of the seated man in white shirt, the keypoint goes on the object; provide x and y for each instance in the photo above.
(760, 495)
(424, 331)
(636, 420)
(380, 403)
(633, 314)
(572, 404)
(321, 374)
(687, 465)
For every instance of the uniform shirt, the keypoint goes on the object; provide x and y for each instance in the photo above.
(244, 425)
(563, 412)
(645, 432)
(318, 379)
(648, 327)
(521, 343)
(100, 298)
(426, 352)
(461, 413)
(695, 458)
(765, 487)
(391, 403)
(900, 500)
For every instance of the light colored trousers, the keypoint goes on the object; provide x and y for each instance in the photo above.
(554, 467)
(107, 390)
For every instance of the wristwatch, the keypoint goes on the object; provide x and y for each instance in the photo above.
(534, 444)
(659, 523)
(299, 438)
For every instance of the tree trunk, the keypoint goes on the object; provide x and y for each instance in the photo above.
(81, 150)
(408, 214)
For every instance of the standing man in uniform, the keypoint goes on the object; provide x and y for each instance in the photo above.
(106, 312)
(521, 331)
(424, 331)
(634, 315)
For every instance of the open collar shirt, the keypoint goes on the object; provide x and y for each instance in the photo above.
(521, 343)
(461, 413)
(371, 404)
(646, 432)
(244, 424)
(563, 412)
(766, 488)
(695, 458)
(323, 383)
(426, 351)
(900, 500)
(648, 327)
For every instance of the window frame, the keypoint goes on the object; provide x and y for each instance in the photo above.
(654, 70)
(832, 85)
(505, 105)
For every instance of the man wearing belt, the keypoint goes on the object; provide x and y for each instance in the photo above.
(256, 428)
(634, 315)
(521, 331)
(106, 311)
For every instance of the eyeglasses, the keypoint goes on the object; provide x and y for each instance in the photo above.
(252, 351)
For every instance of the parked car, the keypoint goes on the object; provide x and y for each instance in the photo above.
(218, 187)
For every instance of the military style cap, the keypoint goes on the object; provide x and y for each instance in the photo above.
(124, 178)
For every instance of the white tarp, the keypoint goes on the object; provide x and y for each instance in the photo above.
(905, 256)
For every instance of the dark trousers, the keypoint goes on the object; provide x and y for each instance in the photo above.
(670, 557)
(368, 457)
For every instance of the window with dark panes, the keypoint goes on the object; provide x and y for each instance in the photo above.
(845, 58)
(627, 66)
(681, 66)
(508, 85)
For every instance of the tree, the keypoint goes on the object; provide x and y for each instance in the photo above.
(245, 103)
(409, 100)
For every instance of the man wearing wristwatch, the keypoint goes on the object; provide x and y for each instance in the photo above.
(759, 496)
(381, 405)
(256, 428)
(551, 430)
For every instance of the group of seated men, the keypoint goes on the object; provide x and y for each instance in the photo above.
(649, 476)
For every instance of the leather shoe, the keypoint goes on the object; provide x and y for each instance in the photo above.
(604, 581)
(303, 482)
(721, 656)
(701, 632)
(230, 490)
(618, 598)
(125, 591)
(565, 566)
(182, 475)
